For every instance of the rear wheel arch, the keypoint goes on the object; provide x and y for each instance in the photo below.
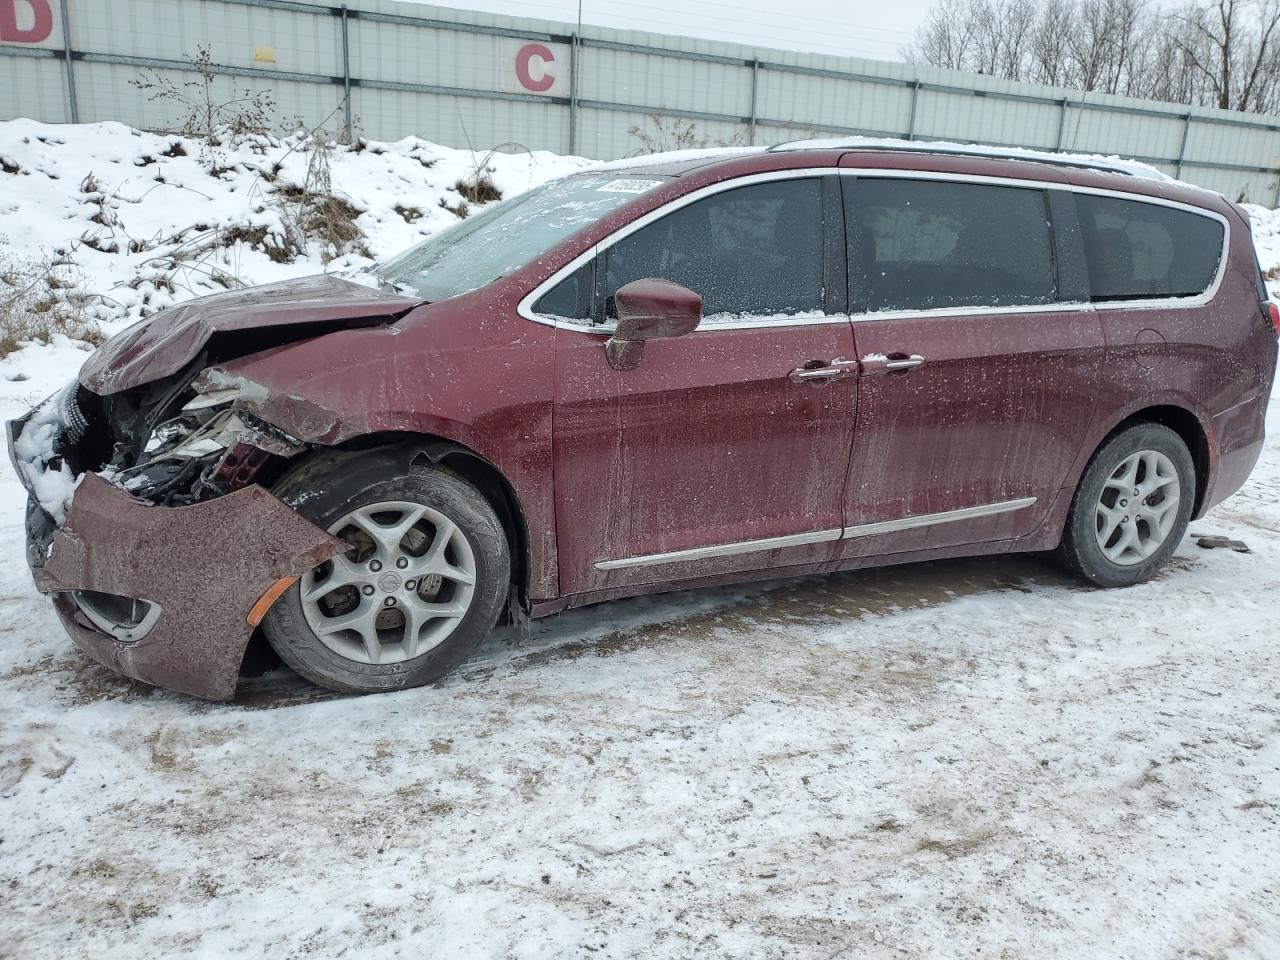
(412, 449)
(1188, 427)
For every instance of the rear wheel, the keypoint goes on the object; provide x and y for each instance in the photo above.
(425, 577)
(1132, 506)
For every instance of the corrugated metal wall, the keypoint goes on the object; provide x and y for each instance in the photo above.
(459, 78)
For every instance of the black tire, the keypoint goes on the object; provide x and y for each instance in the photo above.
(1080, 550)
(328, 489)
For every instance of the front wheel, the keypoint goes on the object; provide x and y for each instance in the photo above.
(1132, 507)
(422, 584)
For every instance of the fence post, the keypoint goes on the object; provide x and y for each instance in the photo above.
(1182, 149)
(72, 102)
(346, 73)
(755, 86)
(1062, 124)
(573, 94)
(915, 97)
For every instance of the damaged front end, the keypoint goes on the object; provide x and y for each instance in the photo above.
(149, 525)
(174, 453)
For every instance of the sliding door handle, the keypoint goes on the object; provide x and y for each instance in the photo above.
(873, 364)
(823, 371)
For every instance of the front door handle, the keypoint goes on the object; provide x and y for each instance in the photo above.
(824, 371)
(875, 363)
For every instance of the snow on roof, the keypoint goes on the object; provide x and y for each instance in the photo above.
(1103, 163)
(678, 156)
(1106, 164)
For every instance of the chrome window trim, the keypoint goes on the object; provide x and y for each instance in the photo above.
(525, 307)
(818, 536)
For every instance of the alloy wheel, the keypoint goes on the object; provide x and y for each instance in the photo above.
(402, 588)
(1138, 507)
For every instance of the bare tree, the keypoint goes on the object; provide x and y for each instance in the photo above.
(1223, 53)
(1049, 41)
(948, 37)
(1232, 46)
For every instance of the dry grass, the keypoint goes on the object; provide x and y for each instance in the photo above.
(315, 212)
(478, 189)
(409, 214)
(459, 209)
(41, 298)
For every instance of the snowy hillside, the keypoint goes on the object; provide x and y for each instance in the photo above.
(131, 222)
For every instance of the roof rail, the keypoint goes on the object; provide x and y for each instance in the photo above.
(869, 145)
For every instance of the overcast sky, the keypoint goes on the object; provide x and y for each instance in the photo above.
(843, 27)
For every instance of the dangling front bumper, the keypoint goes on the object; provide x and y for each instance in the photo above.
(164, 594)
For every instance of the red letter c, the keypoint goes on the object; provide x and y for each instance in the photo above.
(524, 56)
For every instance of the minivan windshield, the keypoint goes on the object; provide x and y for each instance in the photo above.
(508, 235)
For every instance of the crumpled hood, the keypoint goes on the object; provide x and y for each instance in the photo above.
(163, 344)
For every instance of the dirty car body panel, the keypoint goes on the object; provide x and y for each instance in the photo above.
(789, 438)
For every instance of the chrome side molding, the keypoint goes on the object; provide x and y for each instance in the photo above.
(817, 536)
(930, 519)
(722, 549)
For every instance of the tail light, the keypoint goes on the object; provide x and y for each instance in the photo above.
(1272, 311)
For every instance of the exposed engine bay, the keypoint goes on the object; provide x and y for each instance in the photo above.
(163, 443)
(173, 447)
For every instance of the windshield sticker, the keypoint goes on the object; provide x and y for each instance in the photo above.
(628, 186)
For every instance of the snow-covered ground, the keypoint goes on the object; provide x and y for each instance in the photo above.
(977, 758)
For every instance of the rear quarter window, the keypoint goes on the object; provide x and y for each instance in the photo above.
(1140, 251)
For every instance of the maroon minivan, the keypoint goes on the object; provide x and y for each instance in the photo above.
(680, 371)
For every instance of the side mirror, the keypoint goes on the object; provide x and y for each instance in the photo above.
(648, 309)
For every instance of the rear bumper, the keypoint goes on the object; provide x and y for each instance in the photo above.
(1240, 432)
(203, 566)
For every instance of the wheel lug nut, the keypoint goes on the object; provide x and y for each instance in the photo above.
(1124, 503)
(411, 585)
(375, 566)
(390, 601)
(402, 563)
(368, 591)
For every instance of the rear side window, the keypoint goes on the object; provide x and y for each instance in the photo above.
(750, 251)
(921, 245)
(1139, 251)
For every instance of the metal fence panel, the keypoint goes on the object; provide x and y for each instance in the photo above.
(36, 85)
(389, 69)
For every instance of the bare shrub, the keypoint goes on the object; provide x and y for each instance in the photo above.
(41, 298)
(314, 212)
(206, 110)
(663, 133)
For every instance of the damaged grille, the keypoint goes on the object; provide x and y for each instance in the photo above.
(163, 443)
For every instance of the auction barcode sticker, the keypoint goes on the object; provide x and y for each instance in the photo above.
(628, 186)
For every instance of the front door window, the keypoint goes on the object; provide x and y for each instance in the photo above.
(750, 252)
